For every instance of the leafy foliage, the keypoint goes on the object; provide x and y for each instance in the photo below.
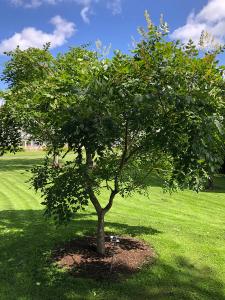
(9, 132)
(63, 189)
(157, 111)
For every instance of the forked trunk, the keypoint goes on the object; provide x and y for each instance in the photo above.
(101, 234)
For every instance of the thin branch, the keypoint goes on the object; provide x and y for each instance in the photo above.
(108, 186)
(116, 183)
(125, 148)
(64, 155)
(93, 198)
(132, 153)
(110, 203)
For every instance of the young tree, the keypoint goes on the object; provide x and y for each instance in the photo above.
(158, 110)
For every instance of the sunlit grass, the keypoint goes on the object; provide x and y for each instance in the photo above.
(186, 229)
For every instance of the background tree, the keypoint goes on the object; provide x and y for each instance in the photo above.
(23, 73)
(9, 132)
(157, 111)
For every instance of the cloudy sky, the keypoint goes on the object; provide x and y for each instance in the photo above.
(67, 23)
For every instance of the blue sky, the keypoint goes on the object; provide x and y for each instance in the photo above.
(73, 22)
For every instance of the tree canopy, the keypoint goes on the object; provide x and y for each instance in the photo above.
(158, 110)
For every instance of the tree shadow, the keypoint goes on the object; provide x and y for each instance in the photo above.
(26, 271)
(80, 257)
(17, 164)
(25, 164)
(218, 185)
(182, 281)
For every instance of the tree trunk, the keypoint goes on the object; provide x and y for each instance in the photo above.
(55, 163)
(101, 234)
(209, 185)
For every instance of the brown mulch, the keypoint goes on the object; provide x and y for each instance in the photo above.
(79, 256)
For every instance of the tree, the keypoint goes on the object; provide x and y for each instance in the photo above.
(157, 111)
(9, 132)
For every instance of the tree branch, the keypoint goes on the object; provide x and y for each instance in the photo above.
(110, 203)
(121, 165)
(93, 198)
(125, 149)
(64, 155)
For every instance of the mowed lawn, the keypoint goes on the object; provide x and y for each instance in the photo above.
(186, 229)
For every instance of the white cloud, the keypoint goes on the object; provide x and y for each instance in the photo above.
(114, 6)
(211, 19)
(33, 3)
(214, 11)
(84, 14)
(32, 37)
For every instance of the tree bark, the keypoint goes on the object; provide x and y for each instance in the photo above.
(55, 161)
(209, 185)
(100, 211)
(101, 233)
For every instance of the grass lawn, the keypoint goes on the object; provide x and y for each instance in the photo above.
(186, 229)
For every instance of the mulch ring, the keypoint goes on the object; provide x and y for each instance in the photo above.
(79, 256)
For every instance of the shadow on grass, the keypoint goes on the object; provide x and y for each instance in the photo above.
(26, 242)
(218, 185)
(14, 164)
(25, 164)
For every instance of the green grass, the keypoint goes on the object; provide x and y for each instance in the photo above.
(186, 229)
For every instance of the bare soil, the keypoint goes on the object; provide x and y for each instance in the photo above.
(79, 256)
